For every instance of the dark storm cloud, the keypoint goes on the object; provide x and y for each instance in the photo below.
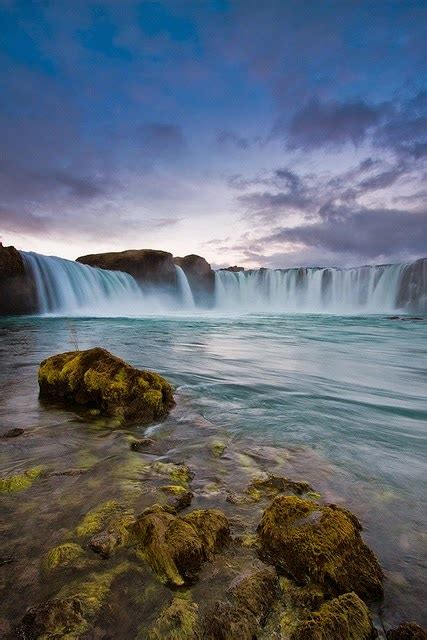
(329, 124)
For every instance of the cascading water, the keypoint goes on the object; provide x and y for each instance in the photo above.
(184, 288)
(66, 287)
(359, 290)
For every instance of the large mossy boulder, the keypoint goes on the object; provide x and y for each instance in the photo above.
(320, 545)
(97, 379)
(176, 547)
(343, 618)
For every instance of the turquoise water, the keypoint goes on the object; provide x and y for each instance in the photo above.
(347, 393)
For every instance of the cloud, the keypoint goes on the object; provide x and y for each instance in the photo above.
(371, 233)
(328, 124)
(158, 138)
(227, 139)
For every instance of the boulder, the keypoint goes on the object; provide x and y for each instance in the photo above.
(97, 379)
(177, 621)
(250, 600)
(200, 277)
(54, 618)
(343, 618)
(407, 631)
(148, 266)
(17, 290)
(175, 547)
(319, 544)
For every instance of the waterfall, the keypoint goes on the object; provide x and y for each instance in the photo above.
(65, 287)
(184, 288)
(368, 289)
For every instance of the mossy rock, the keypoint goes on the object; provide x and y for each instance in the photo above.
(226, 621)
(176, 547)
(321, 545)
(69, 614)
(272, 485)
(343, 618)
(108, 527)
(55, 618)
(21, 481)
(250, 599)
(178, 496)
(176, 472)
(68, 554)
(96, 379)
(256, 591)
(177, 621)
(301, 597)
(407, 631)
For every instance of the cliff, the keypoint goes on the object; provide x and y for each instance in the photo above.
(17, 292)
(200, 277)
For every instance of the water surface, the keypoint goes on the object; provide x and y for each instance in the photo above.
(345, 395)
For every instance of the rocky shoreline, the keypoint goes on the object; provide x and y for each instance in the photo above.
(254, 556)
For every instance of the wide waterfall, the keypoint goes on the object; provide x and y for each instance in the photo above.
(368, 289)
(65, 287)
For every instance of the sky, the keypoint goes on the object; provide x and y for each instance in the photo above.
(268, 133)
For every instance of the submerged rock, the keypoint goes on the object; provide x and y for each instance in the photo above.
(141, 444)
(21, 481)
(68, 554)
(273, 485)
(178, 496)
(320, 544)
(56, 618)
(343, 618)
(175, 547)
(407, 631)
(109, 527)
(97, 379)
(12, 433)
(249, 601)
(178, 621)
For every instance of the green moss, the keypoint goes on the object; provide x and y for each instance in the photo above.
(21, 481)
(97, 519)
(272, 485)
(217, 447)
(343, 618)
(69, 614)
(174, 489)
(212, 527)
(320, 544)
(175, 547)
(178, 621)
(97, 379)
(63, 555)
(177, 472)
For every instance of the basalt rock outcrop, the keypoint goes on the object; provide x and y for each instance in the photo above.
(147, 266)
(200, 276)
(17, 292)
(97, 379)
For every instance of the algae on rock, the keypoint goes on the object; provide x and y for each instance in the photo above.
(321, 545)
(21, 481)
(98, 380)
(176, 547)
(177, 621)
(343, 618)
